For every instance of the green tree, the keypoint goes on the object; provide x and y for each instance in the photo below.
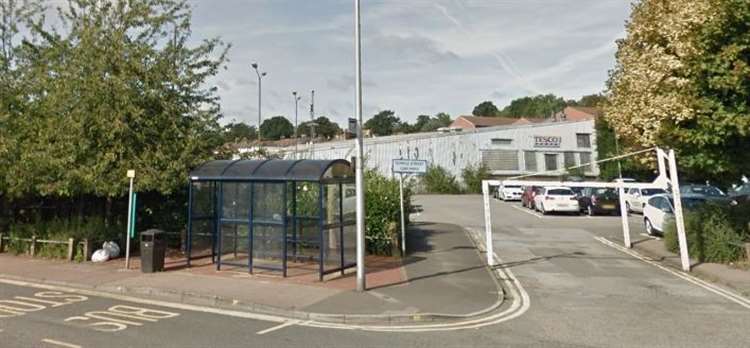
(485, 108)
(543, 105)
(439, 121)
(591, 100)
(686, 85)
(239, 131)
(383, 123)
(324, 127)
(276, 127)
(111, 94)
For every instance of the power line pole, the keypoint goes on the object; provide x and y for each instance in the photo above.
(312, 124)
(359, 166)
(296, 135)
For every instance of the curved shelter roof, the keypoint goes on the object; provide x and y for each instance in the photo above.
(274, 170)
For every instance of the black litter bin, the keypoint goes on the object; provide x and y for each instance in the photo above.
(153, 251)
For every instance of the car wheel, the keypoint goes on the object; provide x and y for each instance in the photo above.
(590, 211)
(649, 227)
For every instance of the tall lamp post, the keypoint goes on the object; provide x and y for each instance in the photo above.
(261, 75)
(296, 136)
(359, 166)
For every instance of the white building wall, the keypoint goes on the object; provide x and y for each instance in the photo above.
(456, 151)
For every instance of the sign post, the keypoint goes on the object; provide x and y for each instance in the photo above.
(401, 166)
(131, 176)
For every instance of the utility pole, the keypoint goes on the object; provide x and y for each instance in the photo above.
(312, 123)
(359, 166)
(296, 136)
(261, 75)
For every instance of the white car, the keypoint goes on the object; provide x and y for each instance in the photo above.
(659, 209)
(636, 198)
(509, 193)
(556, 199)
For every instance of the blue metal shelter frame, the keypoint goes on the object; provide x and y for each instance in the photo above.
(264, 214)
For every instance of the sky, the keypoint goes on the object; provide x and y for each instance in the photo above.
(419, 56)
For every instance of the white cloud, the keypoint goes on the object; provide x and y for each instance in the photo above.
(420, 56)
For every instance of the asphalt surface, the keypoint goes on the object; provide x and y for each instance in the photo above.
(582, 293)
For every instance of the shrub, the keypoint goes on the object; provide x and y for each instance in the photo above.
(473, 177)
(712, 235)
(438, 180)
(383, 219)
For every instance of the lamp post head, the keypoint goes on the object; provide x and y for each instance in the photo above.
(255, 66)
(263, 74)
(294, 93)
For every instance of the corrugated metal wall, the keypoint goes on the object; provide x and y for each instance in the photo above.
(456, 151)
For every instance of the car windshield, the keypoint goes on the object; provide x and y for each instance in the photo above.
(512, 186)
(651, 192)
(703, 190)
(560, 192)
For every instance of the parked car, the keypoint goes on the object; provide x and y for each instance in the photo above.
(527, 197)
(741, 194)
(660, 208)
(707, 192)
(636, 198)
(556, 199)
(509, 193)
(595, 201)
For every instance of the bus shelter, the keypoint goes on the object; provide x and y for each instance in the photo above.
(273, 215)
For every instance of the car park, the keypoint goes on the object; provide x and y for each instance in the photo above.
(509, 193)
(527, 197)
(595, 201)
(556, 199)
(660, 208)
(636, 198)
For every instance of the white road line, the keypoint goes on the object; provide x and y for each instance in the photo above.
(727, 294)
(61, 344)
(278, 327)
(527, 211)
(187, 307)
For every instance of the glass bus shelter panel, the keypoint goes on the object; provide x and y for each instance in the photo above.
(349, 202)
(303, 244)
(202, 238)
(269, 225)
(331, 204)
(268, 246)
(235, 201)
(203, 200)
(332, 249)
(269, 202)
(235, 241)
(306, 198)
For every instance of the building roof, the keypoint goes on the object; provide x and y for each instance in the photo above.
(482, 121)
(581, 113)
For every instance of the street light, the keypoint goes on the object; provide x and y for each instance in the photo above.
(359, 177)
(260, 80)
(296, 137)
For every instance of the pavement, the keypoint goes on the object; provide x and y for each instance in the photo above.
(441, 260)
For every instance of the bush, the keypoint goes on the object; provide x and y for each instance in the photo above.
(473, 177)
(383, 219)
(438, 180)
(61, 229)
(713, 235)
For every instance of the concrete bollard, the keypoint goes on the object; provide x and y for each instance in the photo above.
(71, 249)
(32, 249)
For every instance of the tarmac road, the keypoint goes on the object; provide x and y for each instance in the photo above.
(582, 293)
